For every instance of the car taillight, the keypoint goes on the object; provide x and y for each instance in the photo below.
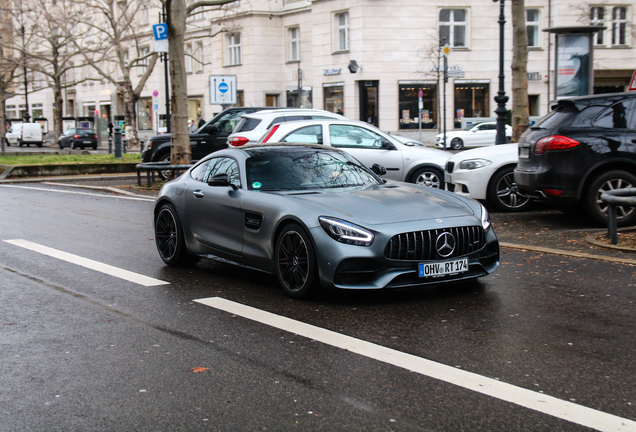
(95, 136)
(76, 136)
(238, 141)
(271, 132)
(554, 142)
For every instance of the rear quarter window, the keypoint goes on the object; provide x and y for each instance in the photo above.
(555, 118)
(247, 124)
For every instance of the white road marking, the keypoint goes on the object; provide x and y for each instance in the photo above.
(88, 263)
(542, 403)
(79, 193)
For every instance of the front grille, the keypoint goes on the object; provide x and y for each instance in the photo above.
(450, 166)
(420, 245)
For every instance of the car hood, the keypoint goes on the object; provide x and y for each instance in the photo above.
(389, 203)
(495, 153)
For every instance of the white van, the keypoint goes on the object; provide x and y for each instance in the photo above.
(24, 133)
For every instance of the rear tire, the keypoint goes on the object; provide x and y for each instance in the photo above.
(597, 209)
(170, 239)
(296, 266)
(503, 193)
(457, 144)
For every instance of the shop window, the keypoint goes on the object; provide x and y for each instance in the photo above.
(294, 44)
(532, 27)
(271, 100)
(305, 97)
(533, 105)
(195, 109)
(619, 25)
(342, 31)
(471, 100)
(452, 27)
(233, 41)
(144, 114)
(37, 111)
(334, 98)
(409, 106)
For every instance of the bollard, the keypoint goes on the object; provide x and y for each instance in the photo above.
(125, 146)
(118, 143)
(110, 145)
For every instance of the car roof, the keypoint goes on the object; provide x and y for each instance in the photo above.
(298, 111)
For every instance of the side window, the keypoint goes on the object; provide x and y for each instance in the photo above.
(305, 135)
(199, 171)
(354, 137)
(614, 117)
(228, 122)
(224, 165)
(276, 121)
(294, 118)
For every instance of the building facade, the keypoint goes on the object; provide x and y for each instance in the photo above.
(370, 60)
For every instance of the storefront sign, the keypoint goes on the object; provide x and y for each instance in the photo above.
(449, 68)
(333, 71)
(534, 76)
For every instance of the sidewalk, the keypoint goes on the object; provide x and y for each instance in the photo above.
(542, 230)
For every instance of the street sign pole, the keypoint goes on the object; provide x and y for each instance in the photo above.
(420, 105)
(446, 49)
(161, 45)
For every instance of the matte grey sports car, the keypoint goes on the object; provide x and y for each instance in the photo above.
(314, 216)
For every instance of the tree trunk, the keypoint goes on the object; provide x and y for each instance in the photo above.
(125, 91)
(180, 146)
(58, 101)
(520, 113)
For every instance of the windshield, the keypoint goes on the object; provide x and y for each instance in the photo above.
(305, 169)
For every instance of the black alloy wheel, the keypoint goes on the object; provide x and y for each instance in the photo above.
(457, 144)
(295, 262)
(428, 177)
(503, 193)
(165, 173)
(597, 209)
(169, 238)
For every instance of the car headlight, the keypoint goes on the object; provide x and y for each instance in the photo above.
(471, 164)
(346, 232)
(485, 219)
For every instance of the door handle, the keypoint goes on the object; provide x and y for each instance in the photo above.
(198, 193)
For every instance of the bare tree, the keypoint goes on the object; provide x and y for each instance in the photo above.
(8, 67)
(520, 112)
(177, 14)
(45, 50)
(112, 46)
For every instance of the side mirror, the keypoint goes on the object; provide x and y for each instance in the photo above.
(387, 145)
(211, 129)
(378, 169)
(222, 180)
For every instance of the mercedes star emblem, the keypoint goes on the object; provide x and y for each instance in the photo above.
(445, 244)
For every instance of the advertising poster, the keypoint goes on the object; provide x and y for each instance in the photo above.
(573, 65)
(406, 115)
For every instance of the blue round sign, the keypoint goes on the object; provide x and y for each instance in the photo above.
(223, 87)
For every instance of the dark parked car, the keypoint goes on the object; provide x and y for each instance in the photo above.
(210, 137)
(315, 216)
(585, 146)
(78, 137)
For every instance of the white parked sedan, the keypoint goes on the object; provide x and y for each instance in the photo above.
(486, 174)
(482, 134)
(403, 162)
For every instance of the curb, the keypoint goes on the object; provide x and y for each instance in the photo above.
(592, 240)
(569, 253)
(70, 178)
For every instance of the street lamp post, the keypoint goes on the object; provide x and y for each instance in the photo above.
(26, 116)
(501, 97)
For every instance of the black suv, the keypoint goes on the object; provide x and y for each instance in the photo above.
(210, 137)
(583, 147)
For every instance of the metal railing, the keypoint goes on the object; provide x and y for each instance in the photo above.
(617, 198)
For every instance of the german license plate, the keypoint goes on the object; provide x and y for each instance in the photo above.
(443, 268)
(87, 142)
(524, 152)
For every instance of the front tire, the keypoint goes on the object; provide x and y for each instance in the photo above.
(429, 177)
(457, 144)
(296, 266)
(164, 158)
(597, 209)
(503, 193)
(170, 239)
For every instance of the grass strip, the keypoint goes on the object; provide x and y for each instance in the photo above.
(68, 159)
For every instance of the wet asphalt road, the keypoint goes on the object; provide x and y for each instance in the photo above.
(82, 350)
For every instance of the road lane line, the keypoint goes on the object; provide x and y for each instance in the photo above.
(540, 402)
(88, 263)
(79, 193)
